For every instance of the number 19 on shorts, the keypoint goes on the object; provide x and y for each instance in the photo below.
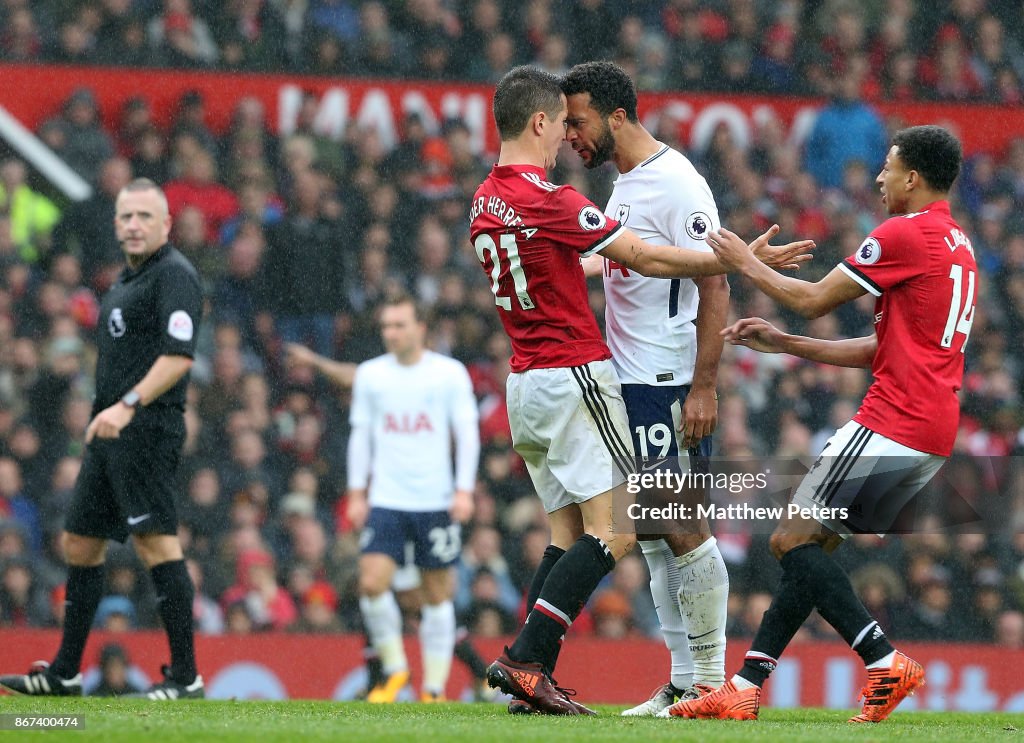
(655, 441)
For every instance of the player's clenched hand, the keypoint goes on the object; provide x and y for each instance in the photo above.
(357, 509)
(755, 333)
(461, 509)
(109, 422)
(700, 416)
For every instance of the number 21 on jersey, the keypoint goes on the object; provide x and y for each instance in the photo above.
(506, 244)
(961, 309)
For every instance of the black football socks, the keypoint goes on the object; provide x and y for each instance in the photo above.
(174, 595)
(83, 593)
(570, 581)
(792, 604)
(838, 604)
(812, 579)
(552, 554)
(468, 655)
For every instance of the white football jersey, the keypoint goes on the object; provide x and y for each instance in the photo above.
(412, 412)
(650, 322)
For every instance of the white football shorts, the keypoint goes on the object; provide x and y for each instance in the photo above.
(870, 476)
(569, 425)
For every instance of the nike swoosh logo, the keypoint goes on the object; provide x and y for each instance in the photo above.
(133, 520)
(697, 637)
(647, 466)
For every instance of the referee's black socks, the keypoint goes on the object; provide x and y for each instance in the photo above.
(82, 595)
(571, 579)
(174, 595)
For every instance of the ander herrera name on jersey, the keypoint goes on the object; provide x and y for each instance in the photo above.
(496, 207)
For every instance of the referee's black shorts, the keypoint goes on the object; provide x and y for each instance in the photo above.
(128, 485)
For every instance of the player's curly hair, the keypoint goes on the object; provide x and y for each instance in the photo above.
(608, 84)
(933, 152)
(521, 93)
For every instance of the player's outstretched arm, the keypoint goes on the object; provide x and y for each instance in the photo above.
(810, 299)
(786, 257)
(761, 335)
(671, 262)
(342, 373)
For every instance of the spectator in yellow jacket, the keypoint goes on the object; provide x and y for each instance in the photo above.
(32, 215)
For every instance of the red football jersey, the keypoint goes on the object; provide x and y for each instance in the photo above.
(529, 235)
(921, 267)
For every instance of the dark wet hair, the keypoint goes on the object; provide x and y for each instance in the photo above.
(608, 84)
(933, 152)
(522, 92)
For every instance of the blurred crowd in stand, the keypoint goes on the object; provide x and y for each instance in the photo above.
(299, 238)
(948, 50)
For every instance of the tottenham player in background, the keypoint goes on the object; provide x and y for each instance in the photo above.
(920, 266)
(565, 407)
(665, 344)
(407, 407)
(407, 577)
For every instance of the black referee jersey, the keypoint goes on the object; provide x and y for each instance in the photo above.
(149, 312)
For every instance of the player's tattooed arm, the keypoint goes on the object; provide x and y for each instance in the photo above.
(670, 262)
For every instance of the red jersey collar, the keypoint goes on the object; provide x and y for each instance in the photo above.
(519, 168)
(940, 205)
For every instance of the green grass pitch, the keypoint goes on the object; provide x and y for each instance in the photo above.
(265, 722)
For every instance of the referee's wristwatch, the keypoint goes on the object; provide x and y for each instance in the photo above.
(132, 399)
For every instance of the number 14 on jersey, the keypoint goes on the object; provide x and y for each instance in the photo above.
(961, 316)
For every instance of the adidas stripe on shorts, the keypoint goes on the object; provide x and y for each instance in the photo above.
(871, 476)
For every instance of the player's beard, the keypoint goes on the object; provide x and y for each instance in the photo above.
(603, 151)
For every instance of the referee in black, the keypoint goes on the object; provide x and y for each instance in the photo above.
(146, 339)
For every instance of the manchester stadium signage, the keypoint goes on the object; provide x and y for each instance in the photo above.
(33, 93)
